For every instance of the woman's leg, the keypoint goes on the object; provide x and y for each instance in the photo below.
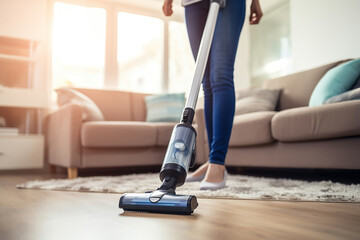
(218, 83)
(222, 58)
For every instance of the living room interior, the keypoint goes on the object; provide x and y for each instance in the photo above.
(90, 92)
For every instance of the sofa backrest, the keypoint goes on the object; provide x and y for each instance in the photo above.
(297, 88)
(138, 106)
(118, 105)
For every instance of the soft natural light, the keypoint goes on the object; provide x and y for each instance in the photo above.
(181, 61)
(281, 65)
(78, 50)
(140, 53)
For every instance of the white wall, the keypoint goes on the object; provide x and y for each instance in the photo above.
(23, 19)
(324, 31)
(242, 61)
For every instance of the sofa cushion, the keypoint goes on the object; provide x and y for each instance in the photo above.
(314, 123)
(252, 129)
(353, 94)
(164, 131)
(297, 88)
(336, 81)
(118, 134)
(91, 112)
(164, 107)
(114, 104)
(256, 100)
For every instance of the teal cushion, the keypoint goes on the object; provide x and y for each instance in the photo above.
(164, 107)
(336, 81)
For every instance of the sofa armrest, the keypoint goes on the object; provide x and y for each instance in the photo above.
(63, 136)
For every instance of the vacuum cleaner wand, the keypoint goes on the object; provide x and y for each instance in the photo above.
(180, 154)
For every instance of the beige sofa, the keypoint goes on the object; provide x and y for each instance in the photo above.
(298, 136)
(295, 136)
(123, 139)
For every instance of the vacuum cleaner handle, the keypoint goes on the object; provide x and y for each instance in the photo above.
(181, 149)
(203, 54)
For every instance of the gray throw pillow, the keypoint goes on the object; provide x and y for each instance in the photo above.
(91, 112)
(346, 96)
(256, 100)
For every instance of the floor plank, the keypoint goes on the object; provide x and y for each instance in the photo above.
(42, 214)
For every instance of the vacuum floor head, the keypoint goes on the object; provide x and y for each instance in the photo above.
(167, 203)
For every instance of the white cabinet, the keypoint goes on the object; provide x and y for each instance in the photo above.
(21, 151)
(21, 97)
(21, 105)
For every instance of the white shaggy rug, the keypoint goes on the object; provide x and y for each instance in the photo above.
(238, 187)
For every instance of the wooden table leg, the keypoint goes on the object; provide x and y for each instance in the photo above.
(72, 172)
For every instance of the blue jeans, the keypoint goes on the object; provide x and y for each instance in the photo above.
(218, 81)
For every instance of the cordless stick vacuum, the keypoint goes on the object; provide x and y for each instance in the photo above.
(180, 154)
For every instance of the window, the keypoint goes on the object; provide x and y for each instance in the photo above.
(271, 46)
(140, 53)
(78, 50)
(181, 61)
(151, 54)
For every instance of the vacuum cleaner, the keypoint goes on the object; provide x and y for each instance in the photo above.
(180, 154)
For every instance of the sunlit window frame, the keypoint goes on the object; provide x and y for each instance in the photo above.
(150, 8)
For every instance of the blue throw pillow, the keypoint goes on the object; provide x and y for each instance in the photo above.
(164, 107)
(336, 81)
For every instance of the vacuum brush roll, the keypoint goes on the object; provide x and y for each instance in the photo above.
(169, 203)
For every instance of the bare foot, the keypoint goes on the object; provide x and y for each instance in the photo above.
(201, 170)
(215, 173)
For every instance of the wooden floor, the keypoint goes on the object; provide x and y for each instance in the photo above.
(49, 215)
